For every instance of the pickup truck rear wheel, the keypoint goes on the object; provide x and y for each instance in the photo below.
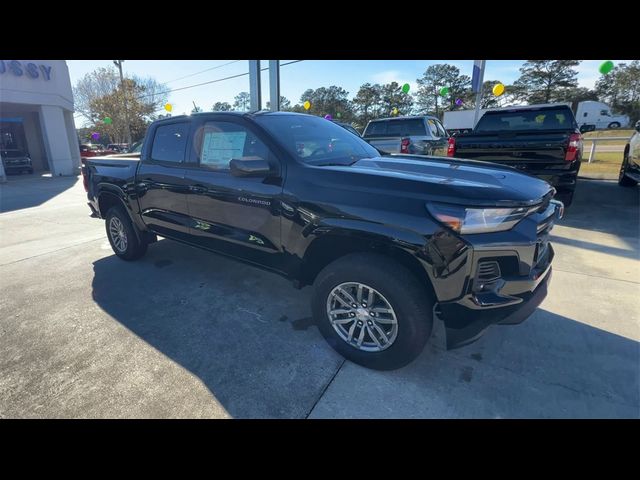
(372, 310)
(122, 236)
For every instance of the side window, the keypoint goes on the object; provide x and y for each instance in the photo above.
(220, 142)
(441, 131)
(170, 142)
(376, 128)
(432, 128)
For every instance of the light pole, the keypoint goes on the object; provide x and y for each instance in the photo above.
(126, 110)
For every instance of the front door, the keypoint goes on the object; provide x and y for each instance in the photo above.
(160, 183)
(236, 216)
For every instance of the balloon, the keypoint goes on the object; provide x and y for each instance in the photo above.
(458, 101)
(95, 136)
(328, 116)
(444, 91)
(405, 88)
(606, 67)
(107, 120)
(307, 105)
(339, 115)
(168, 107)
(395, 110)
(498, 89)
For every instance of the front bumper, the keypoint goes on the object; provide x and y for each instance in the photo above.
(493, 278)
(465, 325)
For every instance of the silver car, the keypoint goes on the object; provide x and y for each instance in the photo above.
(421, 135)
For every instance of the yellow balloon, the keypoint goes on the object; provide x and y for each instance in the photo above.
(394, 111)
(498, 89)
(168, 107)
(307, 105)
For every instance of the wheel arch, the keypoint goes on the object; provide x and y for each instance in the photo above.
(332, 246)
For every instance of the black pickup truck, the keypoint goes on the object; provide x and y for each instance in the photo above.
(389, 243)
(539, 140)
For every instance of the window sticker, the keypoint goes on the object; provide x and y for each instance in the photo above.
(219, 148)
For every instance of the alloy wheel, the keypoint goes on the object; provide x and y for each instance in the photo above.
(362, 317)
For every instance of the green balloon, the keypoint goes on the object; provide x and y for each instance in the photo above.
(606, 67)
(107, 120)
(339, 115)
(405, 88)
(444, 91)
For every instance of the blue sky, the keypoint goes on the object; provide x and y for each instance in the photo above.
(297, 77)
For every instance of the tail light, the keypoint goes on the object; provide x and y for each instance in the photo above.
(575, 144)
(404, 145)
(451, 148)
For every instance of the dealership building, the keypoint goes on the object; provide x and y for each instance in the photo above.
(36, 114)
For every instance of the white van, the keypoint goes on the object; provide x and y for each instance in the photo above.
(599, 114)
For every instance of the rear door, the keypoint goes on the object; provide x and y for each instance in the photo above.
(160, 181)
(236, 216)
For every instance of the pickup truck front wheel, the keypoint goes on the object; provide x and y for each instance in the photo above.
(122, 237)
(372, 310)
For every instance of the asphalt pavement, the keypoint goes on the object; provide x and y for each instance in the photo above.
(185, 333)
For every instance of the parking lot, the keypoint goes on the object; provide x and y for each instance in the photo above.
(185, 333)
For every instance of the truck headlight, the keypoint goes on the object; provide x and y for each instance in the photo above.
(477, 220)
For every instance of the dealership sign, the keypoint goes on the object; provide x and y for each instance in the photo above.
(28, 69)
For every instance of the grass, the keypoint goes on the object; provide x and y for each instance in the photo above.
(604, 162)
(607, 133)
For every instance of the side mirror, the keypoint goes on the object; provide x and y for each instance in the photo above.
(638, 126)
(250, 167)
(587, 128)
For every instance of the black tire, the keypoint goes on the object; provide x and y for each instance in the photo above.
(623, 180)
(135, 245)
(614, 125)
(411, 301)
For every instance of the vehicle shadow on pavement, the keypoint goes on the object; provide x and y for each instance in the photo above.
(548, 367)
(244, 332)
(26, 191)
(248, 336)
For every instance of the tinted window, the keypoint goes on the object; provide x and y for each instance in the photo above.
(551, 119)
(432, 128)
(400, 128)
(218, 143)
(169, 143)
(441, 130)
(315, 140)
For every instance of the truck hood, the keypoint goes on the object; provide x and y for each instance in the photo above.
(463, 182)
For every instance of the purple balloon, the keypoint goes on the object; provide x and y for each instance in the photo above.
(328, 117)
(458, 101)
(95, 135)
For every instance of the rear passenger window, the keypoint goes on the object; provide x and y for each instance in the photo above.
(432, 128)
(220, 142)
(170, 142)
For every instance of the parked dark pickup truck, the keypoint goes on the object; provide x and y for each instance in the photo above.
(540, 141)
(388, 243)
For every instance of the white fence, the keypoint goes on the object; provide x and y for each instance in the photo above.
(595, 141)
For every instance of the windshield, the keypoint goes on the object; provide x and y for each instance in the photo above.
(316, 141)
(550, 119)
